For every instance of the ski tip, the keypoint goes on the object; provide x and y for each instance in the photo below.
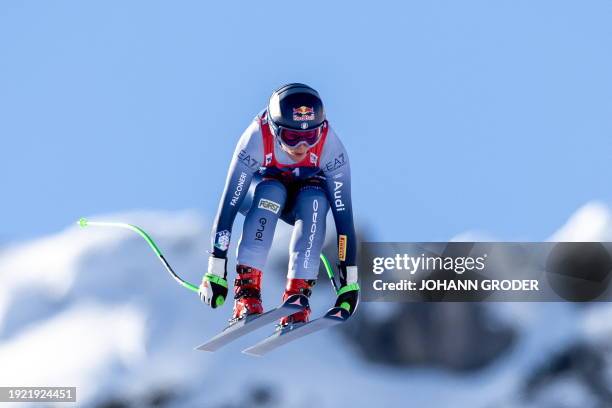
(250, 353)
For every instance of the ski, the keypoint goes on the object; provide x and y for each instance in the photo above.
(293, 304)
(334, 316)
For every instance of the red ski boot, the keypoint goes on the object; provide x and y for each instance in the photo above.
(247, 292)
(297, 286)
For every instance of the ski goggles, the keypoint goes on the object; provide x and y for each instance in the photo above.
(292, 137)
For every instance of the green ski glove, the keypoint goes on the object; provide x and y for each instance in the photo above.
(348, 294)
(213, 289)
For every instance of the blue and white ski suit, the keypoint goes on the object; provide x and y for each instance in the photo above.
(265, 184)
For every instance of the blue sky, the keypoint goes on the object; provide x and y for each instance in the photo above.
(493, 116)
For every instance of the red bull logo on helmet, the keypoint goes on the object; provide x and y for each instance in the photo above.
(303, 113)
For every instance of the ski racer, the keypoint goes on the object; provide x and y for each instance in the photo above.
(289, 164)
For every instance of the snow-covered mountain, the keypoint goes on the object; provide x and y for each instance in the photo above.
(93, 308)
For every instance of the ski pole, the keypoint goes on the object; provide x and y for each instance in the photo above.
(330, 271)
(85, 223)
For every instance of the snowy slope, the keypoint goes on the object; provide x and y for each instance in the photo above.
(94, 309)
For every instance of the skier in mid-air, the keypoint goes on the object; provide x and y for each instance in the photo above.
(288, 164)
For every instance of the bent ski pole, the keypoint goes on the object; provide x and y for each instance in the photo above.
(84, 223)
